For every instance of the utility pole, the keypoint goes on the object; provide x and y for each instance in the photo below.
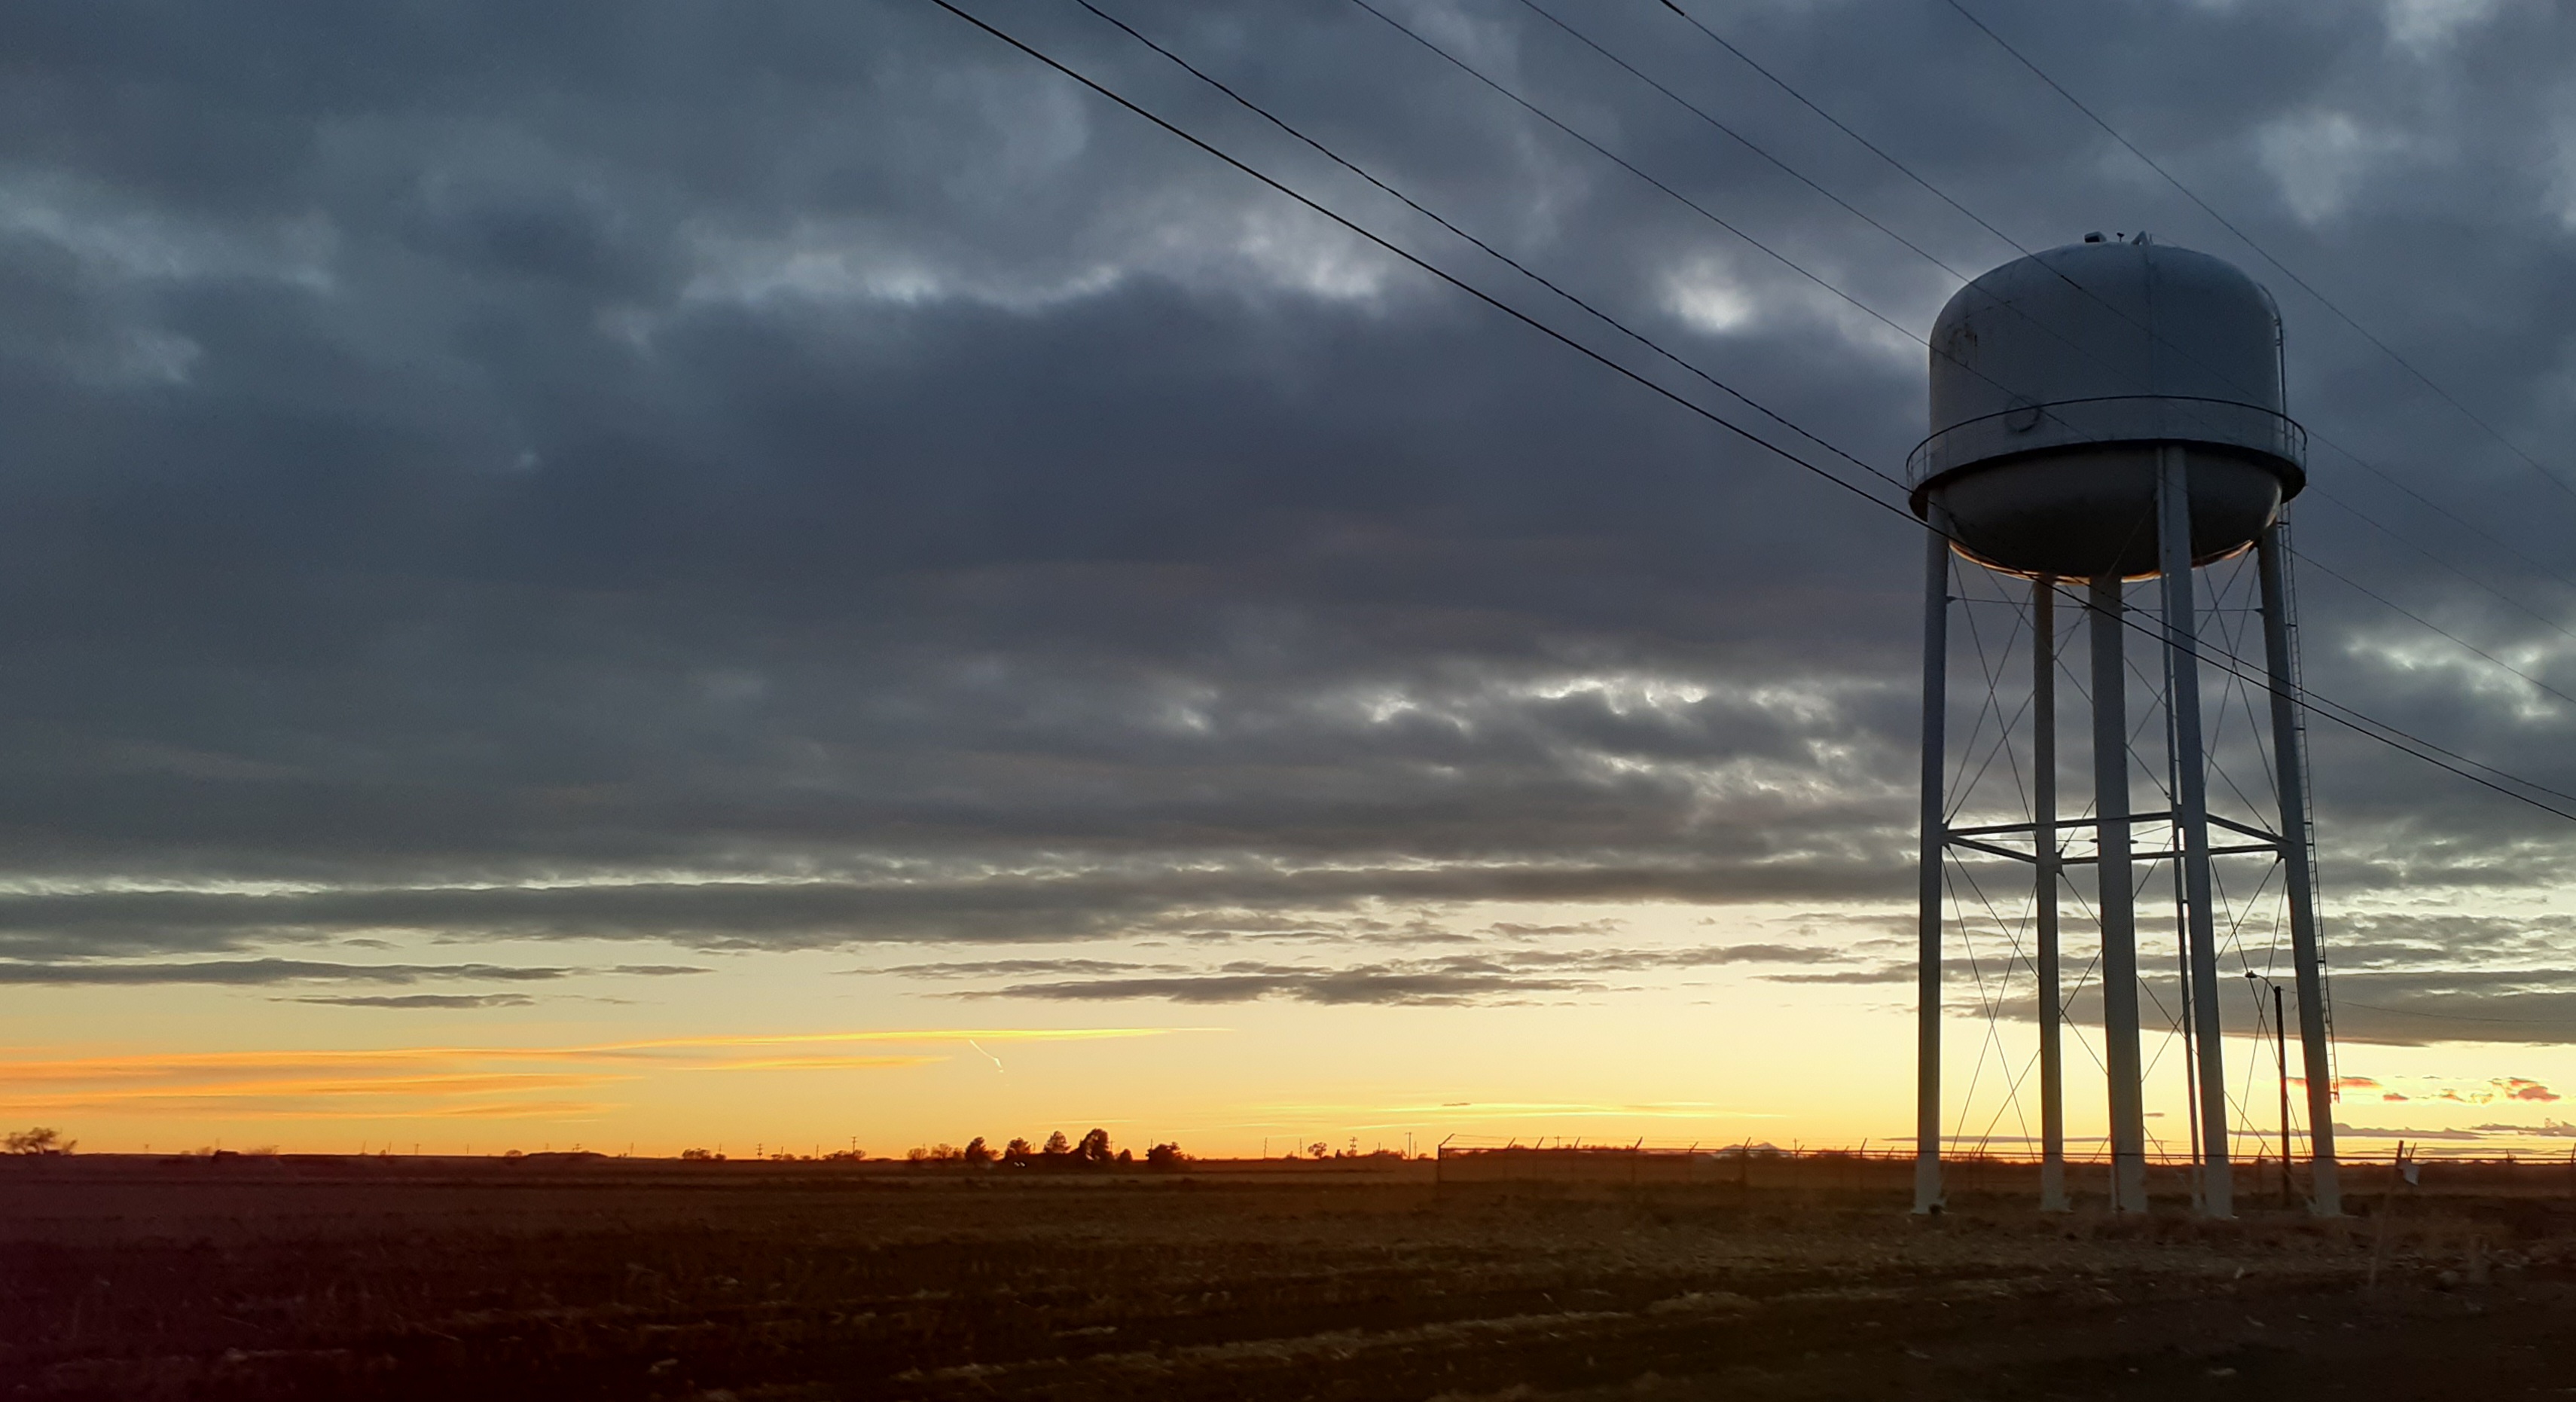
(2281, 1069)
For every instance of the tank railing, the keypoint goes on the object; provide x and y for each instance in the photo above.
(2290, 440)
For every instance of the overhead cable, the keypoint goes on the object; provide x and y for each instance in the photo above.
(1982, 222)
(1742, 140)
(1506, 259)
(1866, 144)
(1625, 164)
(1415, 259)
(2265, 254)
(2512, 786)
(2367, 592)
(2356, 459)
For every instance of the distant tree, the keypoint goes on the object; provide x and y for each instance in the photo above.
(1057, 1145)
(1165, 1156)
(1017, 1153)
(692, 1155)
(976, 1152)
(1095, 1147)
(1319, 1149)
(916, 1154)
(39, 1140)
(1126, 1156)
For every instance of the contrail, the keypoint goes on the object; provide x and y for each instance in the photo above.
(997, 1061)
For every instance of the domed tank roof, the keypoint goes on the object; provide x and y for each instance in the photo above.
(2055, 376)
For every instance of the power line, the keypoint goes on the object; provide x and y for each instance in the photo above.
(2453, 517)
(1944, 266)
(2248, 240)
(2367, 592)
(2450, 1017)
(2356, 459)
(2336, 712)
(2346, 716)
(2535, 615)
(1624, 164)
(1506, 259)
(1747, 143)
(1382, 185)
(1702, 210)
(1742, 140)
(1866, 144)
(1982, 222)
(2362, 724)
(1801, 177)
(1416, 260)
(1532, 107)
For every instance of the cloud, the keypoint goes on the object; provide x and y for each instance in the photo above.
(1330, 987)
(1889, 974)
(275, 971)
(471, 488)
(2345, 1131)
(2399, 995)
(460, 1081)
(1067, 896)
(424, 1000)
(1498, 975)
(2426, 26)
(2321, 160)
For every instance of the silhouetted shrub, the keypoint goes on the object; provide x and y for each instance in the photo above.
(38, 1141)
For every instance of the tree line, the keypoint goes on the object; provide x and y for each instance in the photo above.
(1092, 1151)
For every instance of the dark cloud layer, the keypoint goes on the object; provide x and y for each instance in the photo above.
(413, 1001)
(275, 971)
(1502, 975)
(806, 476)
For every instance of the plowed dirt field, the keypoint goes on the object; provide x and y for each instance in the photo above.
(316, 1278)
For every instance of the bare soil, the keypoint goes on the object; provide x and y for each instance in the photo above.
(329, 1278)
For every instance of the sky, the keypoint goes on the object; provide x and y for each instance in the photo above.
(784, 577)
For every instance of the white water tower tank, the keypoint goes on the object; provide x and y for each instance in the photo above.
(2055, 379)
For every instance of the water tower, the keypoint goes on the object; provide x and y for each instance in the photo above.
(2104, 413)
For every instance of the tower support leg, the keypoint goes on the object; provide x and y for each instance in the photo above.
(2043, 762)
(1935, 839)
(2325, 1195)
(2191, 820)
(2116, 898)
